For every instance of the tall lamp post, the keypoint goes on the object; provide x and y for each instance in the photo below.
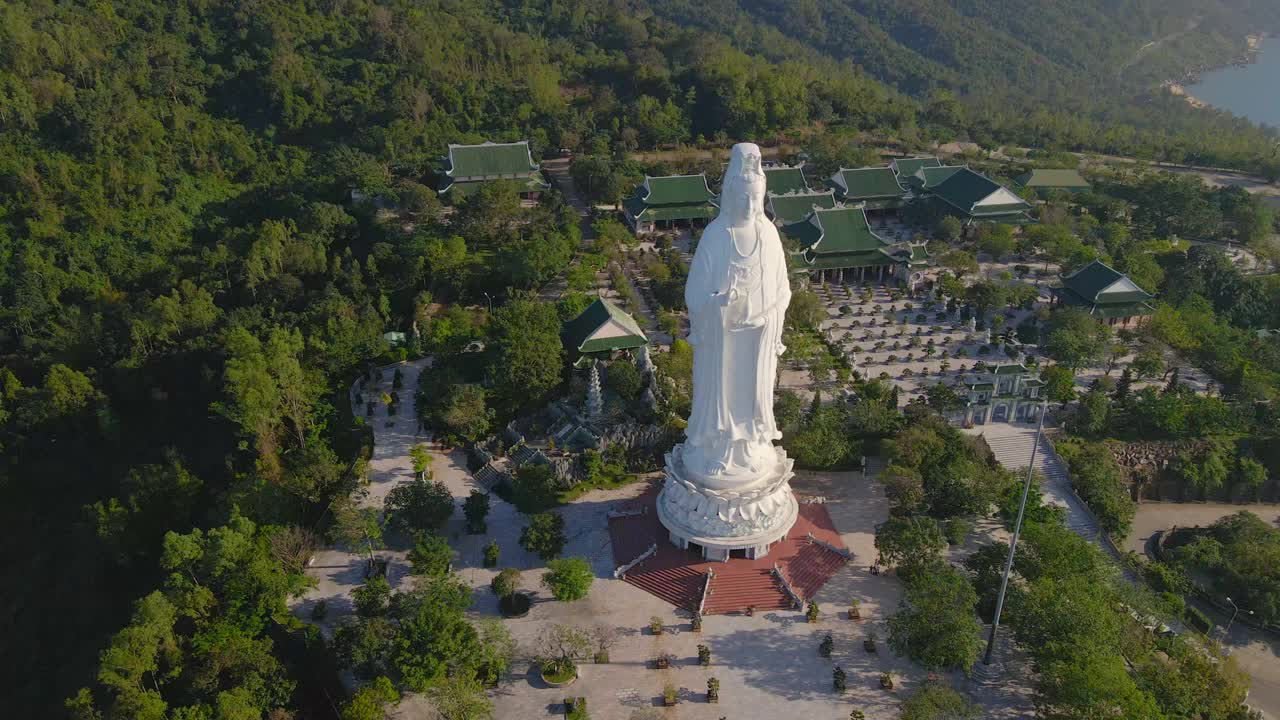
(1233, 615)
(1013, 543)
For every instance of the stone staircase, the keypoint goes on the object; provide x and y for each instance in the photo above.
(1013, 450)
(736, 591)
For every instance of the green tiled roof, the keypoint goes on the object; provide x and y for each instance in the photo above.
(839, 238)
(976, 195)
(692, 211)
(1010, 369)
(868, 183)
(782, 179)
(1122, 310)
(1067, 179)
(490, 160)
(577, 333)
(1099, 283)
(794, 207)
(457, 190)
(906, 167)
(930, 177)
(675, 190)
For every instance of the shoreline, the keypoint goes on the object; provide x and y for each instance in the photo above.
(1178, 87)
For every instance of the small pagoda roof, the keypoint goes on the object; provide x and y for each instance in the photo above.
(906, 167)
(1049, 179)
(780, 179)
(868, 183)
(796, 206)
(603, 327)
(977, 196)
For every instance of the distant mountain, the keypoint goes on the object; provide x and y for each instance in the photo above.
(1043, 49)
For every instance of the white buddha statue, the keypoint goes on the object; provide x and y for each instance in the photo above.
(737, 294)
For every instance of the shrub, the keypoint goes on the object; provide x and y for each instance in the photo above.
(568, 579)
(491, 554)
(431, 556)
(825, 647)
(811, 614)
(476, 508)
(505, 583)
(320, 609)
(956, 530)
(372, 598)
(704, 655)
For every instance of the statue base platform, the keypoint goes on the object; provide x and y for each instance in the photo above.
(744, 521)
(684, 578)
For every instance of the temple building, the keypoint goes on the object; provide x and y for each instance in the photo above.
(601, 329)
(837, 244)
(468, 166)
(1002, 393)
(1105, 293)
(966, 195)
(782, 179)
(1045, 180)
(877, 187)
(666, 201)
(796, 206)
(905, 168)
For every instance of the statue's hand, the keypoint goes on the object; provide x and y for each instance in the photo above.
(724, 298)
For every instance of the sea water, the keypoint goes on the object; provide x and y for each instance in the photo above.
(1251, 91)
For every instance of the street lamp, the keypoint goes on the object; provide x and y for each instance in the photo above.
(1234, 614)
(1013, 543)
(490, 299)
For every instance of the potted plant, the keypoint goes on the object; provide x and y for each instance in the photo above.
(857, 715)
(704, 655)
(713, 690)
(669, 695)
(869, 644)
(491, 554)
(855, 609)
(751, 610)
(886, 681)
(663, 661)
(824, 648)
(838, 679)
(811, 614)
(696, 623)
(655, 625)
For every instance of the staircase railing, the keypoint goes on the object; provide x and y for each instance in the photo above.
(842, 552)
(621, 571)
(706, 591)
(796, 599)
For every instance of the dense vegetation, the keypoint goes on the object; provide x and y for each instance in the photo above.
(1237, 557)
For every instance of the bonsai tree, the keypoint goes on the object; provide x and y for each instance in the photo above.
(669, 695)
(559, 649)
(824, 647)
(696, 623)
(713, 690)
(857, 715)
(491, 554)
(838, 678)
(655, 625)
(855, 611)
(704, 655)
(870, 643)
(811, 614)
(604, 637)
(886, 681)
(568, 578)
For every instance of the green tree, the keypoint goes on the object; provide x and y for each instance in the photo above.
(568, 579)
(544, 535)
(431, 555)
(475, 508)
(418, 505)
(1074, 338)
(370, 702)
(935, 625)
(909, 542)
(527, 353)
(933, 701)
(1059, 383)
(372, 598)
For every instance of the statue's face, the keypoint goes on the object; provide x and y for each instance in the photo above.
(747, 190)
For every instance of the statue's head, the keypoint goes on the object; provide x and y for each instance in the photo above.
(742, 194)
